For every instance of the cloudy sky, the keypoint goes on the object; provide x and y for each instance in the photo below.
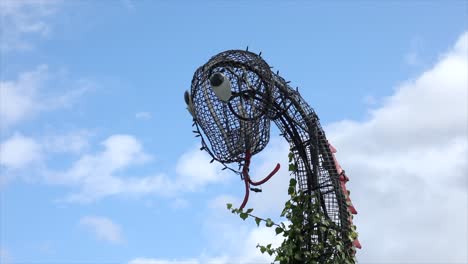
(98, 163)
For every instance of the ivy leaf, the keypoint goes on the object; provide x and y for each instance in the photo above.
(243, 216)
(279, 230)
(269, 223)
(262, 249)
(295, 233)
(339, 247)
(258, 220)
(297, 256)
(292, 167)
(292, 182)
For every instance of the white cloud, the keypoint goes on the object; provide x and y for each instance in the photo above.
(95, 173)
(18, 98)
(122, 150)
(69, 142)
(22, 20)
(408, 166)
(25, 97)
(105, 173)
(143, 115)
(18, 152)
(236, 240)
(220, 201)
(431, 108)
(195, 171)
(103, 228)
(263, 236)
(228, 238)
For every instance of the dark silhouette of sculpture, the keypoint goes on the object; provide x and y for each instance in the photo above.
(233, 99)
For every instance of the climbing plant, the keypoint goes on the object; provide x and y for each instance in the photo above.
(305, 220)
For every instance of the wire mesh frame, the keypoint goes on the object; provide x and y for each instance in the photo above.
(241, 124)
(272, 100)
(316, 172)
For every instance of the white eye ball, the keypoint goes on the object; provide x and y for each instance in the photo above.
(221, 86)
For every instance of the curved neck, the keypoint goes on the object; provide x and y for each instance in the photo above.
(315, 171)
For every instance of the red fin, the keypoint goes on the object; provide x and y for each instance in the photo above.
(356, 243)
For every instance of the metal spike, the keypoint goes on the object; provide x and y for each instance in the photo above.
(260, 54)
(256, 190)
(277, 72)
(247, 49)
(212, 160)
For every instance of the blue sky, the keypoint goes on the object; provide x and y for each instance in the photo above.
(98, 162)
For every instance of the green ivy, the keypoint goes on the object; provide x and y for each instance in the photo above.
(300, 210)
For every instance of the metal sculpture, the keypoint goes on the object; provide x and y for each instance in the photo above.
(233, 99)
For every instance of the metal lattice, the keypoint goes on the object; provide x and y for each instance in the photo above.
(240, 126)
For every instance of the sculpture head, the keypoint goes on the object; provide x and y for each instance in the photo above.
(229, 100)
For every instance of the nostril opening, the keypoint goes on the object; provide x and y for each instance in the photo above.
(216, 79)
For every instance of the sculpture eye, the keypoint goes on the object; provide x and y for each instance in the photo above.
(221, 86)
(187, 97)
(189, 103)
